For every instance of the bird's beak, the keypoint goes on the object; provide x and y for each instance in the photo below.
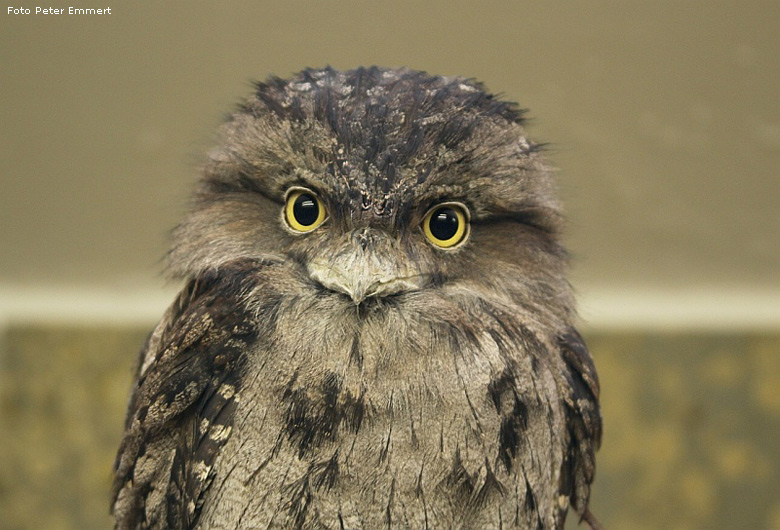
(367, 266)
(361, 284)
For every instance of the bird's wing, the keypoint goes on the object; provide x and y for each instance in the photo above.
(181, 409)
(583, 420)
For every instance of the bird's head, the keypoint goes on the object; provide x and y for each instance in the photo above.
(376, 184)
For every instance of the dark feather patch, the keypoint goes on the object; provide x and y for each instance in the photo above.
(583, 420)
(491, 487)
(300, 499)
(184, 401)
(458, 480)
(530, 508)
(514, 416)
(315, 415)
(325, 474)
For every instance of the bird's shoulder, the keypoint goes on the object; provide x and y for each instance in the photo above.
(583, 419)
(182, 404)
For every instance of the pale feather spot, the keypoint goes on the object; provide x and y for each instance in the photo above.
(563, 502)
(201, 470)
(227, 391)
(220, 433)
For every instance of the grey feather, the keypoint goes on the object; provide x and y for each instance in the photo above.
(356, 375)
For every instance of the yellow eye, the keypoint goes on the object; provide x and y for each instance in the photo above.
(447, 224)
(304, 211)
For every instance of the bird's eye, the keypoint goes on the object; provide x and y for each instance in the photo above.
(303, 210)
(447, 224)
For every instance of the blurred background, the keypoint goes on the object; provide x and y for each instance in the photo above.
(662, 118)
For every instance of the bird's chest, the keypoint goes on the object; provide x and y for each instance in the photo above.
(359, 431)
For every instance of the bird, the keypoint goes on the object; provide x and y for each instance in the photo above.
(375, 328)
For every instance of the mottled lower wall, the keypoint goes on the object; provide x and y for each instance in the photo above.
(692, 422)
(63, 392)
(692, 431)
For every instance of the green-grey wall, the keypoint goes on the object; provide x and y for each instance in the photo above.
(662, 116)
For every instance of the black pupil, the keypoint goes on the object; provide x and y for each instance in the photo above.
(444, 224)
(305, 209)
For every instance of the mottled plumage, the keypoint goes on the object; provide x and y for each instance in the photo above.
(357, 376)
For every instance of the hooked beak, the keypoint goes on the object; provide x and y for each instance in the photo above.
(364, 269)
(360, 283)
